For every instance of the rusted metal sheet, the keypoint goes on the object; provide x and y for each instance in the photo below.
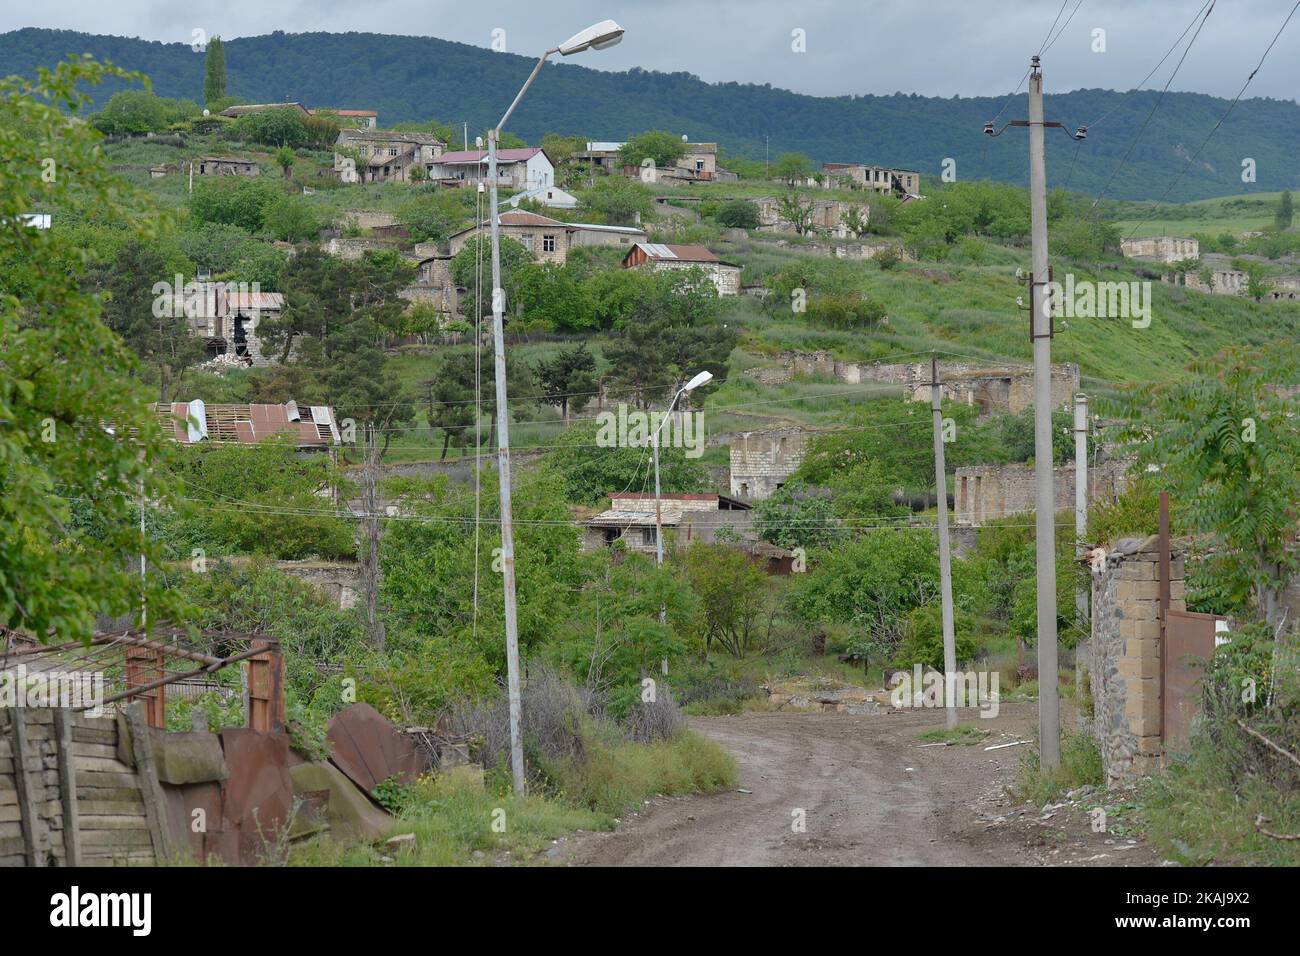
(1189, 643)
(369, 749)
(257, 797)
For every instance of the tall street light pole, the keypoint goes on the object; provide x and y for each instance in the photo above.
(690, 386)
(599, 36)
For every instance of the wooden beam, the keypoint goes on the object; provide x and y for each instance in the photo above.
(68, 788)
(155, 807)
(34, 835)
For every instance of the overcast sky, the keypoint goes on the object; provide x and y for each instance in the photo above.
(932, 47)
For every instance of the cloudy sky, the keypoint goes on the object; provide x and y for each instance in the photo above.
(932, 47)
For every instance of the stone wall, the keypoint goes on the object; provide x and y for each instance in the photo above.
(762, 461)
(984, 493)
(1124, 657)
(992, 389)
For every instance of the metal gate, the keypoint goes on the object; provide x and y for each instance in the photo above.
(1189, 643)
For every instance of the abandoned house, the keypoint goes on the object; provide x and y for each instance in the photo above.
(724, 275)
(197, 421)
(761, 461)
(387, 155)
(524, 168)
(993, 390)
(433, 283)
(549, 240)
(225, 166)
(600, 155)
(686, 519)
(247, 109)
(902, 183)
(1161, 248)
(825, 216)
(361, 119)
(226, 316)
(985, 493)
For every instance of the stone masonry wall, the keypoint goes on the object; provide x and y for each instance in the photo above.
(1124, 658)
(762, 461)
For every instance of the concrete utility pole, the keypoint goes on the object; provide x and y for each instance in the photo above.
(370, 561)
(1049, 716)
(945, 557)
(1081, 489)
(503, 473)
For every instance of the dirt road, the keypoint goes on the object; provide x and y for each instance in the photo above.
(867, 793)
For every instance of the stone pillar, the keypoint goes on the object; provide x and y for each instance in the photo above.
(1125, 662)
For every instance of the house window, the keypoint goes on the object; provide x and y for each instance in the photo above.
(548, 243)
(648, 535)
(392, 150)
(527, 242)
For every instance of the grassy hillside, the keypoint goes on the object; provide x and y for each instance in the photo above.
(416, 78)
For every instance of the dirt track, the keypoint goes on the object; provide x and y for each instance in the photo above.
(871, 795)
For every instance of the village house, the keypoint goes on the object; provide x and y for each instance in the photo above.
(1161, 248)
(762, 461)
(686, 519)
(826, 216)
(600, 155)
(524, 168)
(552, 196)
(226, 316)
(224, 166)
(247, 109)
(903, 183)
(193, 422)
(362, 119)
(724, 275)
(985, 493)
(433, 282)
(549, 240)
(387, 155)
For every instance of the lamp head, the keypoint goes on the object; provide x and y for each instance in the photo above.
(598, 36)
(697, 381)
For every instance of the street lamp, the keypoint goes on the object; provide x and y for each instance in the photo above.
(599, 36)
(690, 386)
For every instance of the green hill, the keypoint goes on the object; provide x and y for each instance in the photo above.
(415, 78)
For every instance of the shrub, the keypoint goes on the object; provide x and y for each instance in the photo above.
(738, 214)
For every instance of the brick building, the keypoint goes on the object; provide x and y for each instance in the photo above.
(761, 461)
(984, 493)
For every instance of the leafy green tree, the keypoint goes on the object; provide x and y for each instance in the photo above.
(568, 379)
(140, 111)
(738, 214)
(795, 516)
(792, 168)
(232, 200)
(291, 219)
(79, 440)
(590, 471)
(732, 593)
(449, 397)
(551, 299)
(651, 360)
(214, 71)
(153, 326)
(663, 148)
(617, 201)
(281, 126)
(474, 262)
(1228, 452)
(799, 212)
(435, 215)
(1285, 210)
(284, 158)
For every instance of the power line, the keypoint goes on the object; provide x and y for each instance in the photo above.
(1133, 145)
(1191, 159)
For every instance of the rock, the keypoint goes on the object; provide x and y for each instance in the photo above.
(401, 841)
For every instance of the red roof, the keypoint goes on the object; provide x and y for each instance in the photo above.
(520, 155)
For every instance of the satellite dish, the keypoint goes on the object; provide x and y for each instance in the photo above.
(205, 112)
(684, 138)
(478, 142)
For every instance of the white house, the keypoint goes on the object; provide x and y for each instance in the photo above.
(526, 168)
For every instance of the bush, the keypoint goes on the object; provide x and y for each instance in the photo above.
(738, 214)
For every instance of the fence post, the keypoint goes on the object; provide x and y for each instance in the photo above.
(143, 666)
(266, 688)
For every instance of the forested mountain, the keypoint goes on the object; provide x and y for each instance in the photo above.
(417, 78)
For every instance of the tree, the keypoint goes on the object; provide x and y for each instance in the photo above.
(140, 111)
(1225, 443)
(792, 168)
(284, 158)
(1285, 212)
(291, 219)
(796, 211)
(617, 200)
(738, 214)
(434, 215)
(153, 326)
(214, 71)
(795, 516)
(568, 379)
(474, 263)
(281, 126)
(731, 591)
(449, 397)
(589, 470)
(233, 200)
(857, 220)
(660, 147)
(80, 442)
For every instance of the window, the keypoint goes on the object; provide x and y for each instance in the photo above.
(527, 242)
(648, 535)
(548, 243)
(392, 150)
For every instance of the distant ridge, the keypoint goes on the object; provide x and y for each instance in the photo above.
(415, 78)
